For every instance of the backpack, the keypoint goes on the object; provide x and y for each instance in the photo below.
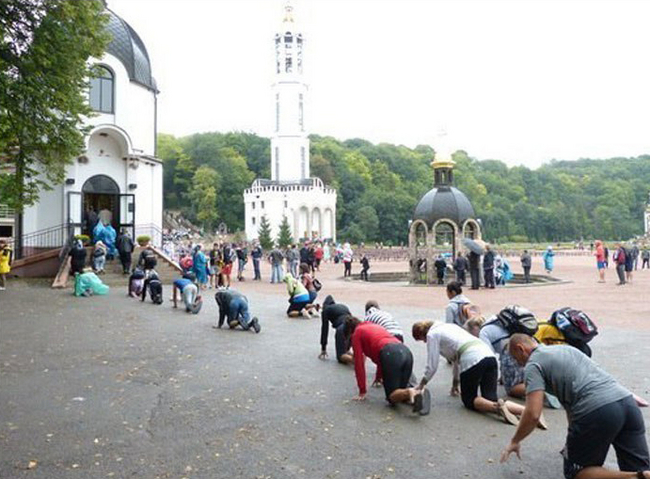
(317, 284)
(574, 324)
(517, 319)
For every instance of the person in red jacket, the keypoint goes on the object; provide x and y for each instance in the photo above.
(394, 364)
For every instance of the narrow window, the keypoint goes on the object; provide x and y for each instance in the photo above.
(262, 205)
(101, 91)
(253, 220)
(253, 205)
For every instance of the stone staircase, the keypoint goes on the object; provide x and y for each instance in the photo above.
(166, 269)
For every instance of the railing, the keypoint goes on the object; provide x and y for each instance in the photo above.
(7, 212)
(39, 241)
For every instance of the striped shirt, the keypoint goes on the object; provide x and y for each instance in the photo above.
(385, 320)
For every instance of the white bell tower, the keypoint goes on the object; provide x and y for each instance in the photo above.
(289, 143)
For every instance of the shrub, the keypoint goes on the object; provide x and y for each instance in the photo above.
(143, 240)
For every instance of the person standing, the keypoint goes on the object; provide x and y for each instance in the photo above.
(318, 256)
(275, 258)
(645, 256)
(606, 255)
(600, 260)
(548, 256)
(293, 259)
(347, 260)
(441, 266)
(635, 255)
(629, 264)
(458, 302)
(460, 267)
(200, 267)
(242, 258)
(6, 255)
(526, 264)
(601, 412)
(125, 248)
(257, 254)
(619, 260)
(213, 258)
(488, 267)
(365, 266)
(228, 256)
(474, 260)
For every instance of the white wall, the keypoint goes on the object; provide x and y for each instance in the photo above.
(314, 202)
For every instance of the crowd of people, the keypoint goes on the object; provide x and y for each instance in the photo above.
(625, 258)
(547, 363)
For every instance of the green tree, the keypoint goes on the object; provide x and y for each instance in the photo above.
(44, 73)
(284, 235)
(204, 196)
(264, 234)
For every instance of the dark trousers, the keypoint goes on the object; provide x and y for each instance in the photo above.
(620, 271)
(348, 268)
(526, 274)
(441, 276)
(474, 274)
(460, 276)
(488, 274)
(125, 259)
(256, 267)
(364, 274)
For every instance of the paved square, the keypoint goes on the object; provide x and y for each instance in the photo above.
(109, 387)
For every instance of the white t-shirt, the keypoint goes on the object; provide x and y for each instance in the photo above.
(445, 339)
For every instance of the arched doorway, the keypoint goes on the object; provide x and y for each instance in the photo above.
(101, 198)
(445, 238)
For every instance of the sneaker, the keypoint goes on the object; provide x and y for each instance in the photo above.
(256, 325)
(2, 288)
(233, 324)
(505, 414)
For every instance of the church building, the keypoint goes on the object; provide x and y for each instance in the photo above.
(118, 173)
(307, 203)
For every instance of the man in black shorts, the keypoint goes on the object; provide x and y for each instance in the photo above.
(601, 412)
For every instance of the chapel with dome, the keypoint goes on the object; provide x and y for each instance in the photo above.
(118, 177)
(442, 218)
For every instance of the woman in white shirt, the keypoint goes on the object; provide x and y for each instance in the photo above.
(475, 366)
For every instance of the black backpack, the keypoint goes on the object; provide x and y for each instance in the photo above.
(517, 319)
(574, 324)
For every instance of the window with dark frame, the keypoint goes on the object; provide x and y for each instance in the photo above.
(101, 91)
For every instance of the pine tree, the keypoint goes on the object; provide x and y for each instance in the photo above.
(284, 236)
(264, 234)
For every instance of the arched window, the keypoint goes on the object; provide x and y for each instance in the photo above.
(101, 91)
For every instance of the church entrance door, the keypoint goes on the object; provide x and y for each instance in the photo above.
(101, 196)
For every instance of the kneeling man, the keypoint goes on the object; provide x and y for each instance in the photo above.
(600, 411)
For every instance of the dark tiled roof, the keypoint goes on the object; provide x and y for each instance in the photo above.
(128, 47)
(444, 202)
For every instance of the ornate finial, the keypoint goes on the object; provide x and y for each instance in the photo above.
(443, 152)
(288, 13)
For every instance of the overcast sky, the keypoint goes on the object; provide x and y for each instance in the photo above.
(522, 81)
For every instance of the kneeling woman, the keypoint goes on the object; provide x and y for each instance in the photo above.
(393, 359)
(474, 360)
(298, 297)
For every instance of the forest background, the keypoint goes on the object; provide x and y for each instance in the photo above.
(378, 186)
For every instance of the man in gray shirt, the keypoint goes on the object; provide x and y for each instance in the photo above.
(600, 411)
